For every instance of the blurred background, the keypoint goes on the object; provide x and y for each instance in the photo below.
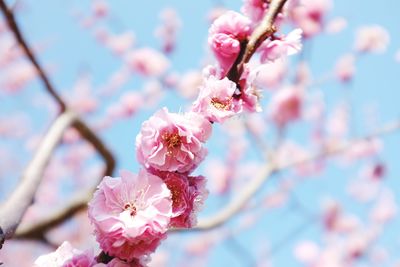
(117, 62)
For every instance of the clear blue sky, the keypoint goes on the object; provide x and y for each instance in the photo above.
(71, 49)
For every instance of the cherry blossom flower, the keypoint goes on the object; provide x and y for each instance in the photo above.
(131, 214)
(216, 100)
(172, 142)
(309, 15)
(167, 31)
(66, 256)
(271, 74)
(188, 194)
(345, 67)
(254, 9)
(336, 25)
(374, 39)
(147, 62)
(225, 36)
(285, 106)
(281, 47)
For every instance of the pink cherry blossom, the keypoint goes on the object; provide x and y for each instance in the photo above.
(309, 15)
(131, 214)
(147, 62)
(216, 100)
(285, 106)
(167, 31)
(345, 67)
(188, 194)
(66, 256)
(374, 39)
(306, 252)
(336, 25)
(254, 9)
(189, 84)
(281, 46)
(172, 142)
(225, 36)
(271, 74)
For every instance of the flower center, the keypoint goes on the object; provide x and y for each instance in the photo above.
(172, 140)
(221, 104)
(130, 207)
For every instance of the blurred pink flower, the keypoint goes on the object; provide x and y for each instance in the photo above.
(345, 67)
(271, 74)
(167, 31)
(147, 62)
(309, 15)
(66, 256)
(131, 214)
(373, 39)
(254, 9)
(336, 25)
(306, 252)
(281, 47)
(172, 142)
(285, 106)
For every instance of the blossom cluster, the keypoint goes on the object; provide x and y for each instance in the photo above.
(131, 214)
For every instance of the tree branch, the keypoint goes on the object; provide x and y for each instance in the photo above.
(13, 209)
(79, 202)
(12, 24)
(268, 170)
(263, 31)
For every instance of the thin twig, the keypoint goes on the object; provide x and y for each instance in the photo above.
(12, 24)
(263, 31)
(269, 169)
(13, 209)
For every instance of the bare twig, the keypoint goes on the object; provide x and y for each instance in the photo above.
(79, 202)
(269, 169)
(263, 31)
(36, 230)
(13, 209)
(12, 24)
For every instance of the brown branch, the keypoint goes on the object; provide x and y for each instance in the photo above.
(263, 31)
(12, 24)
(13, 209)
(268, 170)
(79, 202)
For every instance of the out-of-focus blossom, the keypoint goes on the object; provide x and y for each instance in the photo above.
(147, 62)
(17, 76)
(373, 39)
(336, 25)
(385, 208)
(271, 74)
(189, 84)
(281, 46)
(345, 67)
(66, 256)
(306, 252)
(167, 31)
(173, 142)
(254, 9)
(100, 8)
(131, 214)
(285, 106)
(309, 15)
(225, 36)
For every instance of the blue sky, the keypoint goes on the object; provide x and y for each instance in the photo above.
(69, 49)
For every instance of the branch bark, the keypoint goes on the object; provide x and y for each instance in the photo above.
(263, 31)
(13, 209)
